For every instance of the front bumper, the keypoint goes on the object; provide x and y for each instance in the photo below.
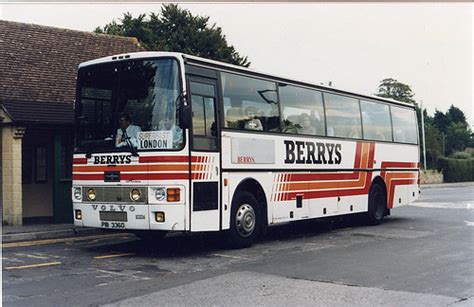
(138, 216)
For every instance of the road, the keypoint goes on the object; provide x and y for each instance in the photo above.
(421, 255)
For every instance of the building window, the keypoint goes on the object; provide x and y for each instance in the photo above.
(41, 164)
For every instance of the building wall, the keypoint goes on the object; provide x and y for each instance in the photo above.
(11, 174)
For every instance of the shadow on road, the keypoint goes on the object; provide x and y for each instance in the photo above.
(190, 245)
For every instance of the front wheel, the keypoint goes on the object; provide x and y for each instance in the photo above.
(377, 205)
(245, 222)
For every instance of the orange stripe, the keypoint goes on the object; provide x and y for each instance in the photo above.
(195, 167)
(327, 185)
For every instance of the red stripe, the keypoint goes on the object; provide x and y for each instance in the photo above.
(358, 155)
(394, 183)
(391, 164)
(164, 159)
(169, 176)
(87, 176)
(323, 176)
(399, 164)
(324, 194)
(371, 155)
(79, 161)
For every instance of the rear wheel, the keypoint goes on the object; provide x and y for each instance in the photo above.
(377, 205)
(245, 220)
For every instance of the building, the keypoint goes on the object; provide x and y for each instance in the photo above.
(37, 91)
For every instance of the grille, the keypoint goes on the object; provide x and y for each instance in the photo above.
(115, 194)
(113, 216)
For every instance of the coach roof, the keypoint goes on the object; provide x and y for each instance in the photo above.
(231, 67)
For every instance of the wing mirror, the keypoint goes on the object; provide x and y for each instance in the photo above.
(185, 115)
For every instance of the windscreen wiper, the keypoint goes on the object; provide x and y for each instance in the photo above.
(133, 150)
(90, 147)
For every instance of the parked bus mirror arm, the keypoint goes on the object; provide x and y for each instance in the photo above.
(184, 110)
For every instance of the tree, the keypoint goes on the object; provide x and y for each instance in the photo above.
(441, 121)
(391, 88)
(176, 29)
(434, 147)
(455, 115)
(457, 137)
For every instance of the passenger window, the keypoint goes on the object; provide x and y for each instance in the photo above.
(249, 103)
(342, 116)
(376, 121)
(404, 125)
(302, 110)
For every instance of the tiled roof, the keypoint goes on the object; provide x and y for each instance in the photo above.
(39, 112)
(39, 63)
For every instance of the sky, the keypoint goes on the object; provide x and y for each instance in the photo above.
(428, 46)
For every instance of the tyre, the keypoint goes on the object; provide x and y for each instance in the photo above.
(245, 221)
(377, 205)
(150, 235)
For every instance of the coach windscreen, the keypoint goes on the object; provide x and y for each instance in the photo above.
(128, 105)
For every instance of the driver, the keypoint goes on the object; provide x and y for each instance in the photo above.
(126, 132)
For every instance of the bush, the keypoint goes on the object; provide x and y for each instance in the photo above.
(456, 170)
(461, 155)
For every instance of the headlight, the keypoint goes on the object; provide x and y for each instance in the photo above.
(91, 194)
(135, 194)
(160, 194)
(77, 193)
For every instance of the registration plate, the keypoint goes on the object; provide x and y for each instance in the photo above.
(113, 216)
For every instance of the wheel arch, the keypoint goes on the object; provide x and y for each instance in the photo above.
(255, 188)
(381, 182)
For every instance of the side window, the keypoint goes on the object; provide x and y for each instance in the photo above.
(404, 125)
(249, 103)
(204, 124)
(376, 121)
(342, 116)
(302, 110)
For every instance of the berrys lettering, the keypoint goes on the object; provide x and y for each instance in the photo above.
(312, 153)
(114, 159)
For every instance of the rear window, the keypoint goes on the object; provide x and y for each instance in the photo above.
(404, 125)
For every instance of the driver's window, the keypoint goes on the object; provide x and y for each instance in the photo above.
(204, 116)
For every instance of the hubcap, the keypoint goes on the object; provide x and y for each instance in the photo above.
(245, 220)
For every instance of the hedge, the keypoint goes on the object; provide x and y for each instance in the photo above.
(456, 170)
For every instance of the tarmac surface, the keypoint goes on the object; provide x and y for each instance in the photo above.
(421, 255)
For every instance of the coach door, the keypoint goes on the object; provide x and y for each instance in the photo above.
(205, 159)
